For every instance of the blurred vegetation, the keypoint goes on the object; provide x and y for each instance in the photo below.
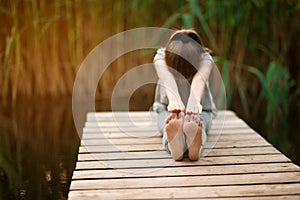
(43, 43)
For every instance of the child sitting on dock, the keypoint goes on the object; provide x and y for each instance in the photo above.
(183, 99)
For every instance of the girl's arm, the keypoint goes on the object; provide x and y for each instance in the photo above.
(197, 87)
(167, 78)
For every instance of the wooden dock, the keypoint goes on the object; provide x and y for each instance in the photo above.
(121, 157)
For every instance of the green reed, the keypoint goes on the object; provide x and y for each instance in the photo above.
(44, 42)
(277, 90)
(241, 32)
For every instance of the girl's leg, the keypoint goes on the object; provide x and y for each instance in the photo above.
(162, 116)
(206, 118)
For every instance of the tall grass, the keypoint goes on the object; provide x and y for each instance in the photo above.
(276, 88)
(241, 34)
(278, 94)
(43, 43)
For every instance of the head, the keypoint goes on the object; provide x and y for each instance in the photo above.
(183, 52)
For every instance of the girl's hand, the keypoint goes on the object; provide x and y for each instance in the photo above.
(176, 106)
(193, 106)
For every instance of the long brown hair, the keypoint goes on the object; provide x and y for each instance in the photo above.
(183, 53)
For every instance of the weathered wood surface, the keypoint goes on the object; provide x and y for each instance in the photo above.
(121, 157)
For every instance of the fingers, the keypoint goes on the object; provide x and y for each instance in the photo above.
(176, 107)
(176, 111)
(200, 108)
(194, 108)
(187, 118)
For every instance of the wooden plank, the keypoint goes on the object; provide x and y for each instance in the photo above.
(155, 133)
(125, 122)
(153, 128)
(142, 115)
(163, 154)
(122, 141)
(236, 131)
(139, 114)
(158, 134)
(130, 126)
(269, 197)
(145, 123)
(154, 117)
(187, 171)
(154, 147)
(190, 192)
(187, 181)
(206, 161)
(158, 140)
(126, 148)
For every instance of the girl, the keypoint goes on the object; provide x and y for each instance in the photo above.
(183, 99)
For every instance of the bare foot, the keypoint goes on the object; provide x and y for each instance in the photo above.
(192, 128)
(175, 135)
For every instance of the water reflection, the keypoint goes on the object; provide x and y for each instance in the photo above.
(38, 149)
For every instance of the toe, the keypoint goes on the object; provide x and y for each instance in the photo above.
(187, 118)
(170, 117)
(181, 115)
(193, 117)
(196, 119)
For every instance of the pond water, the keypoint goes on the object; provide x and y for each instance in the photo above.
(38, 149)
(39, 145)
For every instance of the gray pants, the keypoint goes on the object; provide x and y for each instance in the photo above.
(206, 118)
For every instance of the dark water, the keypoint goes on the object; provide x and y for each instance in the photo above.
(38, 149)
(39, 145)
